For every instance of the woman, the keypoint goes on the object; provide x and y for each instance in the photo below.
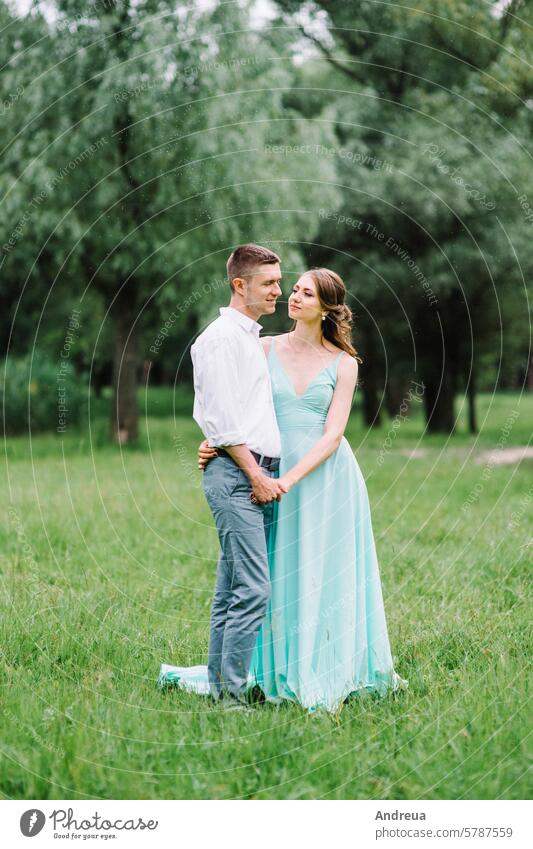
(324, 635)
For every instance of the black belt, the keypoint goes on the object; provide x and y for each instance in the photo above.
(269, 463)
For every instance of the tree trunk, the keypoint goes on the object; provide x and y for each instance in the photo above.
(124, 415)
(370, 381)
(371, 395)
(439, 402)
(471, 389)
(397, 396)
(439, 349)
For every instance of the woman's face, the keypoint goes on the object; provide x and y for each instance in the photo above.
(304, 304)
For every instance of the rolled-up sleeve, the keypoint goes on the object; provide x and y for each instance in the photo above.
(219, 407)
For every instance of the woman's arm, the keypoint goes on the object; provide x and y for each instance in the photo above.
(334, 428)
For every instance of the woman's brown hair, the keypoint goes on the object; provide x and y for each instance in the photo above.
(337, 326)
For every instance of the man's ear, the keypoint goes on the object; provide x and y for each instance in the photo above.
(239, 285)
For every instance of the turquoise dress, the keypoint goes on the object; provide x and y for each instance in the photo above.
(325, 635)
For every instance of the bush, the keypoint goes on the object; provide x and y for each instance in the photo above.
(49, 392)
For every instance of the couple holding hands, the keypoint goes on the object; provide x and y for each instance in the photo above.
(298, 610)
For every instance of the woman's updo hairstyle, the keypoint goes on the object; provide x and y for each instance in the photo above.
(337, 326)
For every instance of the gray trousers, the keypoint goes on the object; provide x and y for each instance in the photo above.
(242, 588)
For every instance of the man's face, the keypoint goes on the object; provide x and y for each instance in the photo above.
(262, 289)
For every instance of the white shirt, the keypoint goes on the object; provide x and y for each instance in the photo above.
(232, 390)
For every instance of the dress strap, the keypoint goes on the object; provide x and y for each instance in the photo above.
(335, 363)
(335, 367)
(271, 349)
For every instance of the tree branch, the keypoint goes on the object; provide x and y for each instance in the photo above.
(507, 18)
(329, 56)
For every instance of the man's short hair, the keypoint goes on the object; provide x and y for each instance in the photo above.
(245, 258)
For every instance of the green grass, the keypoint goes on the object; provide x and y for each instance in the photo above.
(108, 561)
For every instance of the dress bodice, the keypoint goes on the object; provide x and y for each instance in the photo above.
(305, 411)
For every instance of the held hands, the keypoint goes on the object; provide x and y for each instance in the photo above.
(285, 483)
(205, 454)
(264, 488)
(277, 488)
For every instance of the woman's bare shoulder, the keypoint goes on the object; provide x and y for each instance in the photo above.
(348, 367)
(266, 342)
(333, 349)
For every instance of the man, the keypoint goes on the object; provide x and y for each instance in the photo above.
(234, 408)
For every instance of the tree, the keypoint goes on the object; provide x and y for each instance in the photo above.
(432, 118)
(164, 124)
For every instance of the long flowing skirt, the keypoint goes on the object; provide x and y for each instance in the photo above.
(324, 636)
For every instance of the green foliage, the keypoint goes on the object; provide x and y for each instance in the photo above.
(135, 159)
(153, 136)
(38, 394)
(431, 106)
(143, 141)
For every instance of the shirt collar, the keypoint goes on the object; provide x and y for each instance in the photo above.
(239, 317)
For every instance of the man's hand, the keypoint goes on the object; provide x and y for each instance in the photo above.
(265, 489)
(205, 454)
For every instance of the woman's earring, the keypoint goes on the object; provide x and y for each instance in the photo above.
(324, 316)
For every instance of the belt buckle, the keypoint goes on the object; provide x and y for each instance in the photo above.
(261, 458)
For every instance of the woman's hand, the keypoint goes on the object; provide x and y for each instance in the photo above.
(205, 454)
(285, 483)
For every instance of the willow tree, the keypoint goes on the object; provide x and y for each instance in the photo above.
(161, 119)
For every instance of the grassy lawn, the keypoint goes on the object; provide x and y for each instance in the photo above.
(108, 559)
